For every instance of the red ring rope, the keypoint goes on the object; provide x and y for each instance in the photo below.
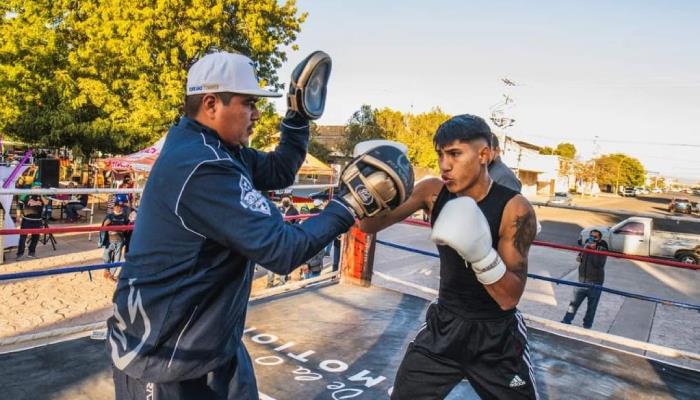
(409, 221)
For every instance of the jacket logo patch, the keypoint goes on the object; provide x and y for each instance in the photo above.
(252, 199)
(118, 339)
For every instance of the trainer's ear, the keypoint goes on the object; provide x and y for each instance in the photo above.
(208, 106)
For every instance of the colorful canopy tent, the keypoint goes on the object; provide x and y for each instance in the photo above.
(311, 165)
(141, 161)
(314, 166)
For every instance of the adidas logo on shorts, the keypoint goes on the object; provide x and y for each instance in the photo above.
(516, 382)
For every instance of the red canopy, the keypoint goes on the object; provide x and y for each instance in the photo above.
(141, 161)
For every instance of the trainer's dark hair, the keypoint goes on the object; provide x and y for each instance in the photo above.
(464, 128)
(194, 101)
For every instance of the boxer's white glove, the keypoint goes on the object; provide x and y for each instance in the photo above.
(463, 227)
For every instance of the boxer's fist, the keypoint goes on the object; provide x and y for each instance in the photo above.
(379, 179)
(462, 226)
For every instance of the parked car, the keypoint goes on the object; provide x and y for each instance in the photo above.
(657, 190)
(640, 191)
(643, 236)
(680, 205)
(561, 198)
(694, 207)
(628, 192)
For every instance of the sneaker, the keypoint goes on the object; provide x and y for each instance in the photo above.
(31, 255)
(19, 256)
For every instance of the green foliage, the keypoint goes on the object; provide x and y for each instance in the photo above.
(416, 131)
(110, 74)
(319, 151)
(565, 150)
(619, 170)
(419, 137)
(360, 127)
(316, 148)
(266, 131)
(547, 151)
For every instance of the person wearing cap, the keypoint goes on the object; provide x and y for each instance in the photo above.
(317, 206)
(30, 209)
(114, 241)
(483, 232)
(181, 297)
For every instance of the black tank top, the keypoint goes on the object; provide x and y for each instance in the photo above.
(460, 291)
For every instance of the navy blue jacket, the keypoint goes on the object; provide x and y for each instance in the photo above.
(180, 303)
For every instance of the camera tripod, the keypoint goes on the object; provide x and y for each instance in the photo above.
(48, 237)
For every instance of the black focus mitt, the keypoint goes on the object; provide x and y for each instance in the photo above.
(381, 178)
(307, 89)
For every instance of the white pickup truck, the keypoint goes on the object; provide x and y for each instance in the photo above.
(643, 236)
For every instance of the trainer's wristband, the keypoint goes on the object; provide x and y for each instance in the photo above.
(490, 269)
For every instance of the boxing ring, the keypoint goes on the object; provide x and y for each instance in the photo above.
(327, 338)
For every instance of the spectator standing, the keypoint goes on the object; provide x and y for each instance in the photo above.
(127, 183)
(591, 269)
(287, 209)
(113, 241)
(29, 212)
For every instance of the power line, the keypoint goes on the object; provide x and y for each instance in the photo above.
(594, 140)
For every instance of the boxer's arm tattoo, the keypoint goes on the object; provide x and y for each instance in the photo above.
(525, 231)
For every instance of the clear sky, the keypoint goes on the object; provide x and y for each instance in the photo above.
(627, 72)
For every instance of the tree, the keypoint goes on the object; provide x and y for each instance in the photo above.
(547, 151)
(619, 170)
(266, 131)
(563, 150)
(319, 151)
(566, 150)
(419, 137)
(360, 127)
(110, 74)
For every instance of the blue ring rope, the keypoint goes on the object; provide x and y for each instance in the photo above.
(67, 270)
(565, 282)
(88, 268)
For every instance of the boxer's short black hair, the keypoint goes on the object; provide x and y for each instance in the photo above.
(464, 128)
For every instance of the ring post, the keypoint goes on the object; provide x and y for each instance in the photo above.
(357, 257)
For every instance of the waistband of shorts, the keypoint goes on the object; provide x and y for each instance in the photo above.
(476, 315)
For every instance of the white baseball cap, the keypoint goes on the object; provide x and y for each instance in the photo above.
(225, 72)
